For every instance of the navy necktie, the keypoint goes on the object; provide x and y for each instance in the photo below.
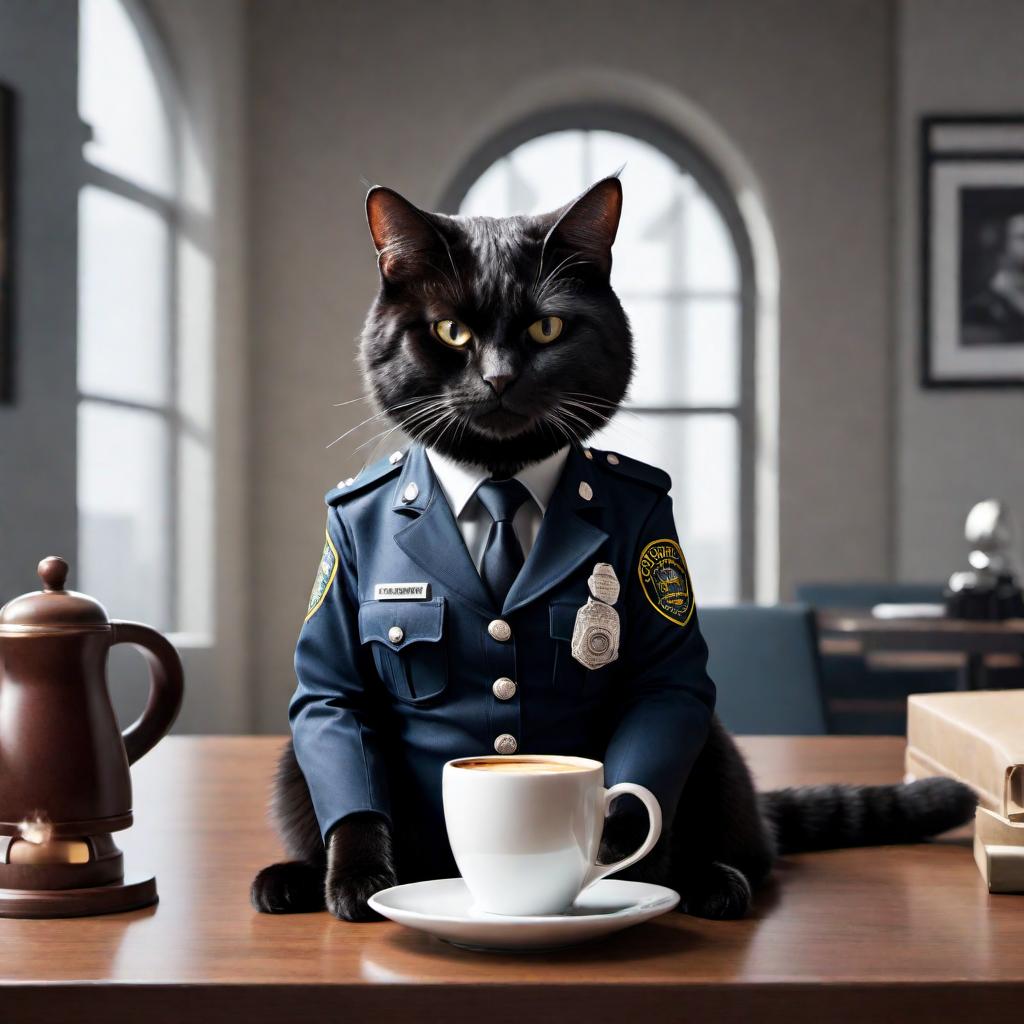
(503, 554)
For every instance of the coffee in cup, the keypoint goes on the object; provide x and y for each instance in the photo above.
(525, 830)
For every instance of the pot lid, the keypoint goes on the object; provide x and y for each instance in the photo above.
(53, 607)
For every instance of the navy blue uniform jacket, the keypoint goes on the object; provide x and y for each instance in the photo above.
(378, 710)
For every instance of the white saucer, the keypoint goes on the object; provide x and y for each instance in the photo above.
(445, 908)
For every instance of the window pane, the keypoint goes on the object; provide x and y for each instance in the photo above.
(123, 314)
(123, 511)
(197, 557)
(539, 176)
(709, 254)
(701, 454)
(647, 251)
(119, 98)
(488, 196)
(687, 351)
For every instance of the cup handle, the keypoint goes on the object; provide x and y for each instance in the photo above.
(166, 685)
(598, 871)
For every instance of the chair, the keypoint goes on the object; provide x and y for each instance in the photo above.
(764, 661)
(860, 699)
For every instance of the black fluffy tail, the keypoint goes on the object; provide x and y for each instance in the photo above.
(827, 817)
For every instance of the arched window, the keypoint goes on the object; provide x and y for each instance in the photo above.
(143, 415)
(684, 272)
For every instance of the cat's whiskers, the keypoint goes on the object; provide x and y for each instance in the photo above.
(602, 418)
(451, 419)
(419, 423)
(627, 427)
(352, 430)
(378, 438)
(555, 417)
(575, 417)
(361, 398)
(385, 412)
(616, 407)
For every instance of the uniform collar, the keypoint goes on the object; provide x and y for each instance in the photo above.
(459, 482)
(569, 534)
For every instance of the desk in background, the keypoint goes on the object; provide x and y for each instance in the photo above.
(925, 643)
(890, 933)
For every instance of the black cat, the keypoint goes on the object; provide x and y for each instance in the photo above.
(727, 836)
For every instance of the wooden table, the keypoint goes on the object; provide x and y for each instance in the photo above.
(883, 934)
(925, 643)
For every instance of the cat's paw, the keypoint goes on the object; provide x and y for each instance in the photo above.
(295, 887)
(347, 893)
(716, 891)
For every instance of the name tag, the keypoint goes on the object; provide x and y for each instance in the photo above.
(401, 592)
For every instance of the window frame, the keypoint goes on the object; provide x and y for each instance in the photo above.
(170, 209)
(692, 161)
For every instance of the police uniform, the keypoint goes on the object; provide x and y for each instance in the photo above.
(404, 661)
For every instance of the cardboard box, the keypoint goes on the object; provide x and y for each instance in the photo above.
(978, 738)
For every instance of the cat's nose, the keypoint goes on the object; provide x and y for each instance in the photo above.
(500, 381)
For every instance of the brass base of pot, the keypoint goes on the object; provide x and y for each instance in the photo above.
(114, 898)
(48, 880)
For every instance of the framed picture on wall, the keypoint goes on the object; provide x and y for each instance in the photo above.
(6, 239)
(972, 242)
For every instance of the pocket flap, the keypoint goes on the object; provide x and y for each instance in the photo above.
(419, 621)
(563, 620)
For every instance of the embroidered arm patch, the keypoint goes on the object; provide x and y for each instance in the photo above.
(666, 581)
(324, 576)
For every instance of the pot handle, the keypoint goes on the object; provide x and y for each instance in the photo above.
(166, 686)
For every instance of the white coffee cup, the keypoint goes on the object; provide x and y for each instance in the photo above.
(526, 829)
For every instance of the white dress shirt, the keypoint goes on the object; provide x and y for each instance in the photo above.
(459, 483)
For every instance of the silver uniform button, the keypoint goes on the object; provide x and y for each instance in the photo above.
(411, 493)
(499, 630)
(586, 491)
(613, 458)
(587, 453)
(396, 634)
(394, 458)
(504, 689)
(506, 744)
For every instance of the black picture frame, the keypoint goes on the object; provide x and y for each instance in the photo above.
(976, 143)
(7, 114)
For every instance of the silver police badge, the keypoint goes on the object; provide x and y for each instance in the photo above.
(604, 584)
(595, 637)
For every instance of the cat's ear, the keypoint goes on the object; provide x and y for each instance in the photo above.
(407, 243)
(588, 225)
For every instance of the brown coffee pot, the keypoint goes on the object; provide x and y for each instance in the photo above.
(64, 779)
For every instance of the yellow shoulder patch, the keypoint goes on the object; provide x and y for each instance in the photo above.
(666, 581)
(324, 577)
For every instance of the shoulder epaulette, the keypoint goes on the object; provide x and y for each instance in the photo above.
(623, 465)
(370, 475)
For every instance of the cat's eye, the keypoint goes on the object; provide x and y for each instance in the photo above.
(452, 332)
(546, 329)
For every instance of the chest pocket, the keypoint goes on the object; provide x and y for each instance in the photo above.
(407, 639)
(569, 674)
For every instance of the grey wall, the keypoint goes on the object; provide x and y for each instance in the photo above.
(399, 93)
(38, 59)
(955, 447)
